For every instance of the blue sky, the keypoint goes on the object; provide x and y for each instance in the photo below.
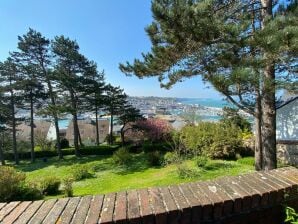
(108, 32)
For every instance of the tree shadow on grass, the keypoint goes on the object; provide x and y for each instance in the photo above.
(218, 166)
(138, 163)
(66, 161)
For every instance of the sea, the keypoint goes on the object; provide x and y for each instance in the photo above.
(207, 102)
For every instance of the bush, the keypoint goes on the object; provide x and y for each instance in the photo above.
(214, 140)
(64, 143)
(172, 157)
(80, 172)
(201, 161)
(11, 183)
(154, 158)
(50, 185)
(30, 192)
(185, 172)
(68, 189)
(122, 157)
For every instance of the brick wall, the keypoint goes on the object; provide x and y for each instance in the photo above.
(252, 198)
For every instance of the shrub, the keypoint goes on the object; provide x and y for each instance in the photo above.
(185, 172)
(50, 185)
(154, 158)
(201, 161)
(30, 192)
(68, 189)
(122, 156)
(11, 183)
(64, 143)
(80, 172)
(215, 140)
(172, 157)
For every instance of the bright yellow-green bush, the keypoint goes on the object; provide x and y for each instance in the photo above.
(215, 140)
(11, 183)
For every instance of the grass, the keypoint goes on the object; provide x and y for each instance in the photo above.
(108, 177)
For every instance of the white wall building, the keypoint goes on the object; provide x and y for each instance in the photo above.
(287, 120)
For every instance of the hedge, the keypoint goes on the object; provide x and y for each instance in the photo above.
(84, 151)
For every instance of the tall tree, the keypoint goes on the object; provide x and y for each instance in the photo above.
(9, 78)
(4, 118)
(242, 48)
(35, 48)
(92, 90)
(115, 99)
(33, 96)
(128, 115)
(69, 67)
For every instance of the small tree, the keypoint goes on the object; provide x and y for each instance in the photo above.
(128, 115)
(114, 100)
(155, 129)
(232, 116)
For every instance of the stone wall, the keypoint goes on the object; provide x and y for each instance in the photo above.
(287, 152)
(255, 198)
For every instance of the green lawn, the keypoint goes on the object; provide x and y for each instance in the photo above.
(111, 178)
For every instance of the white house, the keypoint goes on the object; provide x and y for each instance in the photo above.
(287, 130)
(287, 120)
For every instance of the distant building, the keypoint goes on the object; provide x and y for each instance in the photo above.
(88, 131)
(41, 128)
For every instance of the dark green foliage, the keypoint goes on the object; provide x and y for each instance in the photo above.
(64, 143)
(231, 116)
(215, 140)
(84, 151)
(122, 157)
(11, 183)
(49, 185)
(80, 172)
(154, 158)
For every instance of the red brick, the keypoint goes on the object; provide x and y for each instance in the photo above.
(16, 212)
(133, 211)
(120, 215)
(107, 209)
(170, 204)
(69, 211)
(95, 209)
(146, 207)
(158, 206)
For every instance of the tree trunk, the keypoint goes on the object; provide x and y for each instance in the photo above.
(122, 135)
(97, 128)
(258, 134)
(56, 120)
(14, 131)
(268, 101)
(75, 124)
(1, 153)
(32, 127)
(58, 141)
(79, 136)
(269, 120)
(111, 129)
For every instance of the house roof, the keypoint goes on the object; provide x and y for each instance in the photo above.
(283, 103)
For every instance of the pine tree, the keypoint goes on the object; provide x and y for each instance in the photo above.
(69, 67)
(4, 118)
(245, 49)
(115, 99)
(35, 48)
(93, 86)
(10, 79)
